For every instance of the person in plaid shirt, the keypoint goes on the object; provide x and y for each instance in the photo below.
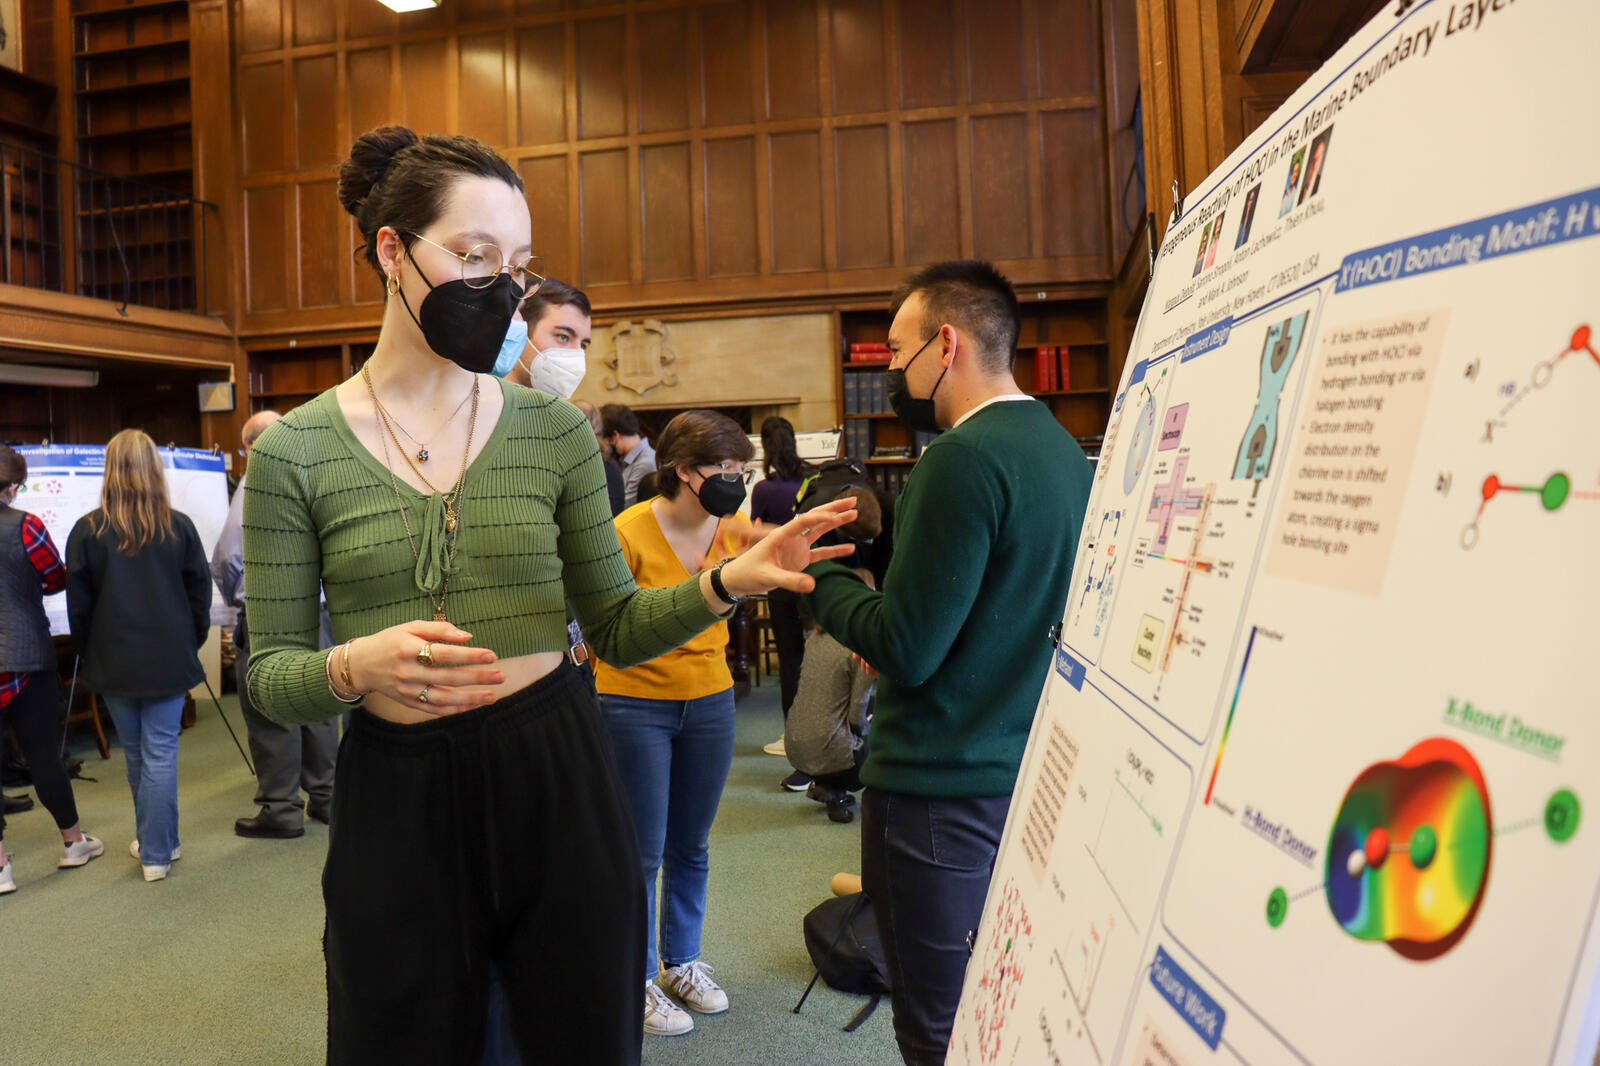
(30, 569)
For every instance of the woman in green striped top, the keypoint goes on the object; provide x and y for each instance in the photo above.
(449, 518)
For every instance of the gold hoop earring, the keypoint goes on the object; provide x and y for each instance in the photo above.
(392, 286)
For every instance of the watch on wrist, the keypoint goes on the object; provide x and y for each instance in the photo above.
(720, 589)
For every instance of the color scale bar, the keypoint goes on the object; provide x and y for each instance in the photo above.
(1222, 745)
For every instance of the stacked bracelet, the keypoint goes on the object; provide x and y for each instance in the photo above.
(344, 675)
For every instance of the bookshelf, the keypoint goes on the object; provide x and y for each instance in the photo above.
(132, 119)
(283, 375)
(1064, 334)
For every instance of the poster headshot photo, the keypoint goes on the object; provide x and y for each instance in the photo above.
(1216, 238)
(1249, 216)
(1296, 170)
(1314, 165)
(10, 35)
(1200, 253)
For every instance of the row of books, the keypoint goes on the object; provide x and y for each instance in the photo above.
(892, 479)
(861, 442)
(1052, 368)
(869, 353)
(865, 394)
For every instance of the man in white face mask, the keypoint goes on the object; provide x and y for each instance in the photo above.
(555, 358)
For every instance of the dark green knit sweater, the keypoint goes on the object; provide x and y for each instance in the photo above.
(984, 537)
(535, 529)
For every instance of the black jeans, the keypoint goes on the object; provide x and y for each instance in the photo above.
(498, 835)
(35, 713)
(783, 607)
(925, 864)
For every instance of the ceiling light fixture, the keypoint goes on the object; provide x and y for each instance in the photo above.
(403, 6)
(27, 374)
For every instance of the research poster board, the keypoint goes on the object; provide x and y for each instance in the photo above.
(64, 483)
(1315, 776)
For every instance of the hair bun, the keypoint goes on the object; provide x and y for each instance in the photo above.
(369, 161)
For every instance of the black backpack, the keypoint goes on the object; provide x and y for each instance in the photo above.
(828, 481)
(842, 939)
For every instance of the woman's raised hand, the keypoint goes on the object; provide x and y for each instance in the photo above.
(779, 559)
(423, 666)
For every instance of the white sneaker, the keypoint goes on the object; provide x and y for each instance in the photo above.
(156, 873)
(776, 747)
(662, 1017)
(133, 849)
(9, 884)
(692, 983)
(80, 852)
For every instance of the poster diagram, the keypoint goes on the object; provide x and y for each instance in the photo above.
(1322, 698)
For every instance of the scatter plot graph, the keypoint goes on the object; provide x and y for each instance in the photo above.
(1260, 441)
(1005, 956)
(1408, 855)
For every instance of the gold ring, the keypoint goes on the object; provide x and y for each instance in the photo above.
(425, 655)
(423, 695)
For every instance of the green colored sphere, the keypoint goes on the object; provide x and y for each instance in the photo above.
(1424, 846)
(1555, 490)
(1277, 907)
(1561, 815)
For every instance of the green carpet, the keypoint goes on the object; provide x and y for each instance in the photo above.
(222, 961)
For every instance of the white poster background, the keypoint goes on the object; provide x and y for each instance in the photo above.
(64, 484)
(1403, 555)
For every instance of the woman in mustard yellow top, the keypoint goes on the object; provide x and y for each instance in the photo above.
(671, 719)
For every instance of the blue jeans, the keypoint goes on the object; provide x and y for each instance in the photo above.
(674, 757)
(925, 865)
(149, 732)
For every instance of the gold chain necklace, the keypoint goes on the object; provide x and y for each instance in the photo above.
(422, 446)
(452, 500)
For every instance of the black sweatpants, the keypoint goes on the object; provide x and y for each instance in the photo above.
(501, 834)
(789, 634)
(35, 713)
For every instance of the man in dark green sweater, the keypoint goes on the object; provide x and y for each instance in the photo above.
(985, 534)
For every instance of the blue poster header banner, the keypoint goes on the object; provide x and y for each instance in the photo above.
(92, 457)
(1213, 336)
(1567, 218)
(1193, 1004)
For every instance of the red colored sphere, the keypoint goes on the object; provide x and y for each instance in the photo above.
(1377, 846)
(1491, 485)
(1580, 338)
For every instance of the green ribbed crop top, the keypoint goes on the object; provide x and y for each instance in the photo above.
(535, 534)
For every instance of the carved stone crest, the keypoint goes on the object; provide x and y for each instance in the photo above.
(639, 354)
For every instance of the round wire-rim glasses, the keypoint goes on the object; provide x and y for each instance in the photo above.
(482, 263)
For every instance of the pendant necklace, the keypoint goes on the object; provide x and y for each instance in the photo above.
(422, 447)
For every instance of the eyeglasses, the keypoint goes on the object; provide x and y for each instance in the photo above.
(730, 470)
(485, 262)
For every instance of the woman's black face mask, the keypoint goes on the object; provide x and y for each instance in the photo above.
(463, 324)
(719, 496)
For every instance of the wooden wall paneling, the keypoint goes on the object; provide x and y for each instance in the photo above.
(931, 196)
(480, 10)
(260, 25)
(484, 90)
(863, 233)
(316, 125)
(1076, 208)
(793, 88)
(604, 244)
(319, 224)
(542, 85)
(216, 162)
(366, 18)
(925, 42)
(369, 95)
(666, 212)
(798, 224)
(664, 70)
(726, 77)
(601, 70)
(1000, 186)
(313, 21)
(361, 282)
(858, 56)
(1066, 47)
(263, 118)
(267, 245)
(38, 41)
(995, 48)
(425, 77)
(732, 229)
(546, 179)
(536, 7)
